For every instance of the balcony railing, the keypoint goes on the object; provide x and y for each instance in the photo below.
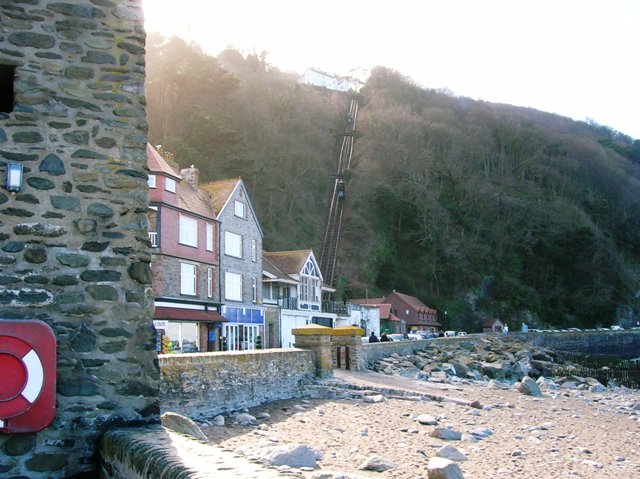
(153, 237)
(337, 307)
(288, 303)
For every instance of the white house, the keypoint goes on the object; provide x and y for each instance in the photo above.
(292, 285)
(316, 77)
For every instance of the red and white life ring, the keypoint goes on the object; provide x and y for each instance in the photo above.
(22, 376)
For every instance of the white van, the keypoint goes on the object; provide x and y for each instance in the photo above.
(449, 334)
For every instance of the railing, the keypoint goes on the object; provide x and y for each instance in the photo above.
(153, 237)
(288, 303)
(337, 307)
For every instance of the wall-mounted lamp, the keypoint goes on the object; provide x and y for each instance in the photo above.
(14, 176)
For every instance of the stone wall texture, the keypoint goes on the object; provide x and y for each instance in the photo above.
(619, 344)
(74, 251)
(203, 385)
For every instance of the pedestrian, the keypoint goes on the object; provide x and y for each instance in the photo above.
(373, 338)
(384, 338)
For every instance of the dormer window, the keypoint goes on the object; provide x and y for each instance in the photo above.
(170, 185)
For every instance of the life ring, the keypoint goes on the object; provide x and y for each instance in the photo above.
(23, 376)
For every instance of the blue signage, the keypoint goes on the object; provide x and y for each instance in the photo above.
(243, 315)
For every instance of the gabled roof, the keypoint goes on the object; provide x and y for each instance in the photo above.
(157, 164)
(491, 322)
(222, 191)
(271, 273)
(289, 262)
(411, 301)
(194, 201)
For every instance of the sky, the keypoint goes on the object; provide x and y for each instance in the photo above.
(576, 58)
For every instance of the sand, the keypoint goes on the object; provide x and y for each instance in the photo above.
(564, 433)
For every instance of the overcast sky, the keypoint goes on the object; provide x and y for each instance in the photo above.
(577, 58)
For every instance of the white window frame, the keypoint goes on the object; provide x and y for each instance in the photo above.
(309, 283)
(151, 181)
(239, 209)
(233, 290)
(209, 237)
(254, 250)
(188, 231)
(254, 290)
(188, 279)
(209, 282)
(170, 185)
(233, 244)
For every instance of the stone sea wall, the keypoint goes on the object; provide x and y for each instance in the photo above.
(74, 251)
(203, 385)
(619, 344)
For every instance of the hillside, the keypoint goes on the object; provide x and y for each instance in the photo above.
(479, 209)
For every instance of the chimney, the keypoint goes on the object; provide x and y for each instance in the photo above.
(191, 175)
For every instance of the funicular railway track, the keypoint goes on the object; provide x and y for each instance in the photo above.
(332, 235)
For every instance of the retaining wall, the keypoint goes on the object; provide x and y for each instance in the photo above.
(620, 344)
(203, 385)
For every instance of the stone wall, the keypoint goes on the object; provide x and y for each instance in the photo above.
(372, 352)
(620, 344)
(203, 385)
(74, 251)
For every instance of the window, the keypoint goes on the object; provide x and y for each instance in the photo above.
(254, 290)
(254, 251)
(269, 292)
(151, 181)
(239, 209)
(233, 286)
(232, 244)
(170, 185)
(188, 231)
(7, 77)
(209, 237)
(310, 283)
(209, 282)
(188, 279)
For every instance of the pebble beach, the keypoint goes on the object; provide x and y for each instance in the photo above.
(394, 427)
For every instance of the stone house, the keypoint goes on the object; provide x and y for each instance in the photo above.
(240, 265)
(292, 286)
(185, 239)
(492, 326)
(417, 315)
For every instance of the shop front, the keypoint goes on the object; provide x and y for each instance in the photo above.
(243, 329)
(185, 330)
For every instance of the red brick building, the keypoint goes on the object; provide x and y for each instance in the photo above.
(185, 240)
(417, 315)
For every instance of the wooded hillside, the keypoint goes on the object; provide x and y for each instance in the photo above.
(479, 209)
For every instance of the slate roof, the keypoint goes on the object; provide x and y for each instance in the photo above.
(221, 191)
(288, 262)
(412, 301)
(157, 164)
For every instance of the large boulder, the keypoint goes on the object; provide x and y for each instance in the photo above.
(529, 387)
(182, 425)
(441, 468)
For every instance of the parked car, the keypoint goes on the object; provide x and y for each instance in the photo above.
(461, 333)
(396, 337)
(415, 336)
(615, 327)
(449, 334)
